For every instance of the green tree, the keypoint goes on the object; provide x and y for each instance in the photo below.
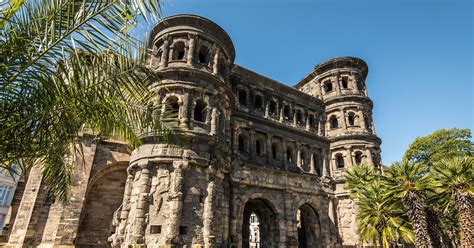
(381, 220)
(409, 182)
(69, 66)
(441, 144)
(454, 179)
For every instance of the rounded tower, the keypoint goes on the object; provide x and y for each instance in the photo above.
(173, 192)
(349, 126)
(340, 83)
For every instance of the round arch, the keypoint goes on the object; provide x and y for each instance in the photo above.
(267, 226)
(104, 196)
(309, 227)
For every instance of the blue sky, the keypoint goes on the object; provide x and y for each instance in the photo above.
(419, 53)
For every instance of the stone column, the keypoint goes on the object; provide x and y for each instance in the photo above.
(214, 118)
(190, 54)
(344, 119)
(184, 111)
(175, 203)
(326, 170)
(308, 126)
(368, 153)
(282, 107)
(208, 216)
(165, 55)
(215, 66)
(312, 168)
(126, 201)
(267, 108)
(337, 84)
(299, 160)
(139, 221)
(283, 152)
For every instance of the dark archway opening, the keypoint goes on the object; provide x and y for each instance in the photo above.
(267, 225)
(309, 229)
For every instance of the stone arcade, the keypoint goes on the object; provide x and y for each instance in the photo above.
(257, 148)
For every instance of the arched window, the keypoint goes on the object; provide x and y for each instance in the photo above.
(289, 155)
(275, 151)
(344, 81)
(242, 143)
(327, 86)
(259, 147)
(258, 102)
(316, 164)
(200, 111)
(367, 122)
(172, 106)
(303, 160)
(358, 157)
(286, 112)
(243, 97)
(204, 55)
(351, 119)
(311, 120)
(299, 117)
(339, 161)
(178, 51)
(334, 122)
(159, 55)
(273, 108)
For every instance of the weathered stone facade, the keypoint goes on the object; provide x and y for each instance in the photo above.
(255, 146)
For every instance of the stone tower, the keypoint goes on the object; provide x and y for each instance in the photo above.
(166, 185)
(340, 83)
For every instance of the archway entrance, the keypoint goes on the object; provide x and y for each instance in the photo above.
(309, 229)
(104, 197)
(259, 227)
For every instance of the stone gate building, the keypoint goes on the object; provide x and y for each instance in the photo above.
(257, 148)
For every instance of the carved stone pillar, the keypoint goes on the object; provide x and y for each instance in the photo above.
(308, 125)
(368, 153)
(191, 44)
(139, 220)
(215, 65)
(338, 84)
(269, 148)
(251, 146)
(326, 171)
(343, 120)
(208, 215)
(312, 168)
(175, 203)
(299, 159)
(126, 201)
(184, 111)
(165, 55)
(214, 120)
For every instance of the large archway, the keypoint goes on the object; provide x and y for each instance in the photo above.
(260, 226)
(309, 228)
(104, 196)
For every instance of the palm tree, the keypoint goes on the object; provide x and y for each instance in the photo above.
(70, 66)
(408, 182)
(381, 219)
(359, 176)
(454, 179)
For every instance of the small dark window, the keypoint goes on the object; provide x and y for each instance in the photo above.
(258, 102)
(316, 164)
(299, 117)
(183, 230)
(286, 112)
(327, 86)
(358, 158)
(258, 148)
(289, 155)
(241, 143)
(344, 81)
(178, 51)
(351, 119)
(243, 97)
(339, 161)
(274, 151)
(200, 111)
(203, 55)
(273, 108)
(155, 229)
(311, 120)
(359, 85)
(172, 106)
(334, 122)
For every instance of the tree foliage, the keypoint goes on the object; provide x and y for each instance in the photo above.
(441, 144)
(69, 67)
